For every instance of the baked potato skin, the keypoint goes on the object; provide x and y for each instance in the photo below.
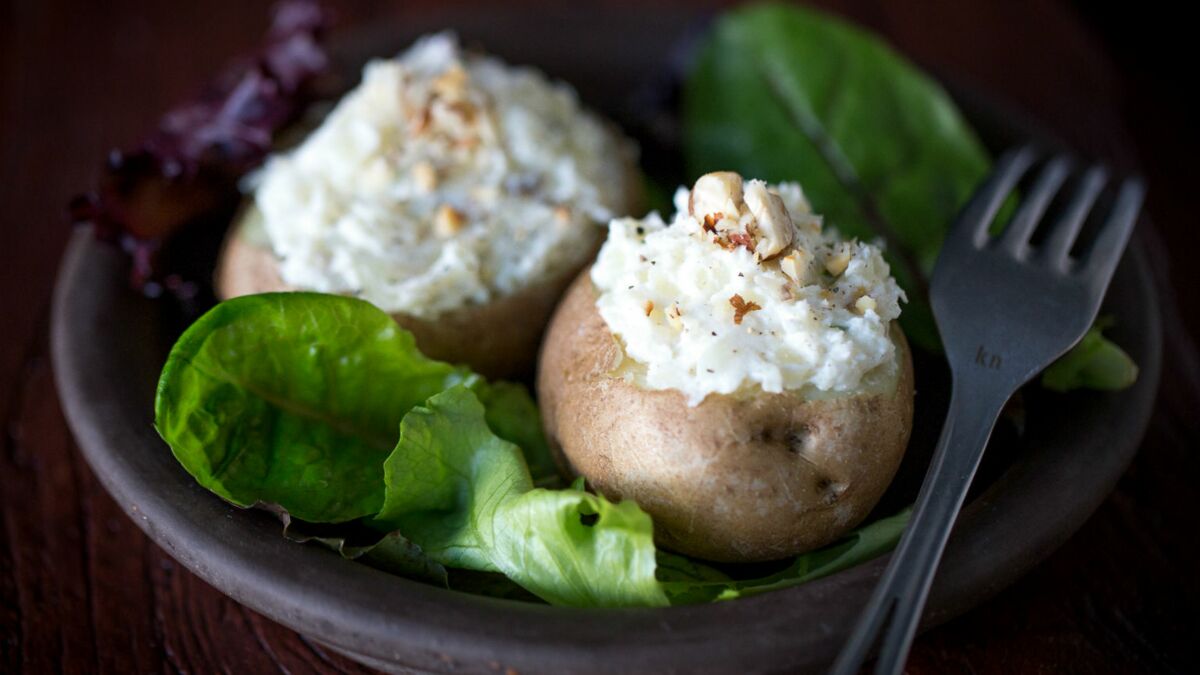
(735, 478)
(498, 339)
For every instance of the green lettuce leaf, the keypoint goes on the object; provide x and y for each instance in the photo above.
(320, 409)
(466, 498)
(513, 416)
(1095, 363)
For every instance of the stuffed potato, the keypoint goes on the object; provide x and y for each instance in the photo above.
(456, 192)
(737, 372)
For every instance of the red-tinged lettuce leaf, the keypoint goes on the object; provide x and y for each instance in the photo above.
(189, 166)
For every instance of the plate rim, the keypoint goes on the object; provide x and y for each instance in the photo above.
(245, 572)
(485, 633)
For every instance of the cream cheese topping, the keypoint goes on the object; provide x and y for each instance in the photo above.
(741, 289)
(443, 179)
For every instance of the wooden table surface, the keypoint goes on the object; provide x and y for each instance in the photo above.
(83, 590)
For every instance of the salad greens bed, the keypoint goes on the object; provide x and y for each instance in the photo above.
(321, 409)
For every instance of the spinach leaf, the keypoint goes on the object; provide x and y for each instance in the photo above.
(787, 93)
(1095, 363)
(356, 540)
(466, 498)
(294, 400)
(686, 582)
(865, 543)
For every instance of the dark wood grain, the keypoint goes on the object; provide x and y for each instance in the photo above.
(82, 590)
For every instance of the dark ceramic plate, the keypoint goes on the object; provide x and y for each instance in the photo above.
(1037, 488)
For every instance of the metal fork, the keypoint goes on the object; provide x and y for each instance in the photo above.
(1005, 310)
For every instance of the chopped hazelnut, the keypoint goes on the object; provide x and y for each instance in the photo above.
(469, 143)
(463, 110)
(775, 228)
(420, 122)
(797, 265)
(425, 176)
(742, 239)
(839, 261)
(649, 307)
(719, 192)
(451, 84)
(448, 221)
(741, 308)
(864, 304)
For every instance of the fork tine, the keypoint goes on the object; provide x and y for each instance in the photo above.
(1016, 235)
(973, 221)
(1062, 236)
(1102, 256)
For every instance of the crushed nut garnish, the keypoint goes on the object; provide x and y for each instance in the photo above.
(742, 239)
(425, 176)
(649, 307)
(741, 308)
(774, 224)
(451, 84)
(864, 304)
(717, 192)
(421, 122)
(724, 243)
(468, 143)
(448, 221)
(796, 266)
(465, 111)
(839, 261)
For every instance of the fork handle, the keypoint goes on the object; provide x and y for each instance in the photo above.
(895, 606)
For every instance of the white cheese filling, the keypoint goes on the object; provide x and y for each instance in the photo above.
(444, 179)
(714, 303)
